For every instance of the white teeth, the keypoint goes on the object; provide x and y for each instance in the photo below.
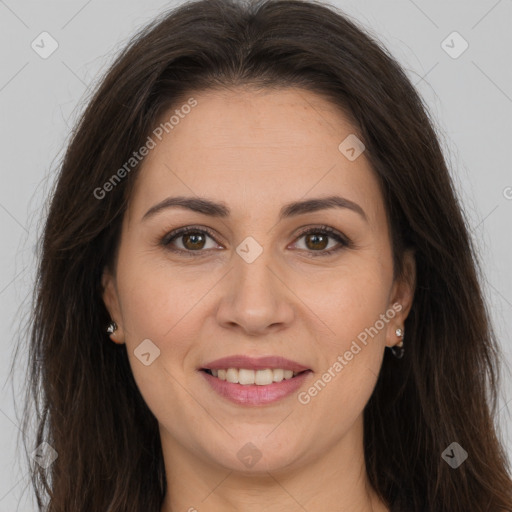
(232, 375)
(278, 375)
(245, 376)
(263, 377)
(259, 377)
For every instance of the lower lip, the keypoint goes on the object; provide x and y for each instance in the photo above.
(253, 394)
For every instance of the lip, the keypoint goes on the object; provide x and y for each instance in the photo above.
(254, 363)
(254, 395)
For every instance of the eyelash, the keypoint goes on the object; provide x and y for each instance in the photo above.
(324, 230)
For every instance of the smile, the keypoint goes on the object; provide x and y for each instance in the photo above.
(254, 387)
(246, 377)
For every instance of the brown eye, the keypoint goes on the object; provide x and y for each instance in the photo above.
(188, 240)
(317, 241)
(193, 241)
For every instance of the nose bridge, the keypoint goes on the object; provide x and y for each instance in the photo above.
(256, 299)
(252, 277)
(254, 274)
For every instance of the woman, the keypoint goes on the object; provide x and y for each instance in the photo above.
(253, 207)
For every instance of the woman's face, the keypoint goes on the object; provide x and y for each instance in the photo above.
(248, 282)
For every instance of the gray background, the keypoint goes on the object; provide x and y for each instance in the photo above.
(469, 96)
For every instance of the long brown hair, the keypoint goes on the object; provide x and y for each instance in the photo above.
(444, 390)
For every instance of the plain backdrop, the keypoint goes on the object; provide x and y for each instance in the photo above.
(465, 79)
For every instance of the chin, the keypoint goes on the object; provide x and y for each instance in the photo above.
(257, 457)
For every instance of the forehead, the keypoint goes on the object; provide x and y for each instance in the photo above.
(247, 146)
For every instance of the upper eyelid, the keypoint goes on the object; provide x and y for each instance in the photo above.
(178, 232)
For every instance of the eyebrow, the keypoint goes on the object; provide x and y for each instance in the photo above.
(215, 209)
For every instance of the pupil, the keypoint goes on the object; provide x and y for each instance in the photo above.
(315, 238)
(194, 239)
(318, 241)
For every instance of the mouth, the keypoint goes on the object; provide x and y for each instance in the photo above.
(254, 381)
(251, 388)
(250, 377)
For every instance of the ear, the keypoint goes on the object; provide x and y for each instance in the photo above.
(402, 294)
(111, 300)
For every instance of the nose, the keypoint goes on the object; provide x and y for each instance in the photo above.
(257, 300)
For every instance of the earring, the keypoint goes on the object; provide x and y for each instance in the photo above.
(111, 327)
(398, 350)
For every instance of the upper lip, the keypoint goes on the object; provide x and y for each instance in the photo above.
(254, 363)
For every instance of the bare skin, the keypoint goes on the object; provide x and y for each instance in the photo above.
(254, 152)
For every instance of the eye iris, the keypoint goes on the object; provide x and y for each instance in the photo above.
(315, 238)
(195, 240)
(194, 237)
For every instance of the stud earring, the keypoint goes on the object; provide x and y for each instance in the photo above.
(111, 327)
(398, 350)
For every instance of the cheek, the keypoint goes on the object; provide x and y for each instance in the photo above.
(160, 306)
(347, 299)
(352, 304)
(158, 300)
